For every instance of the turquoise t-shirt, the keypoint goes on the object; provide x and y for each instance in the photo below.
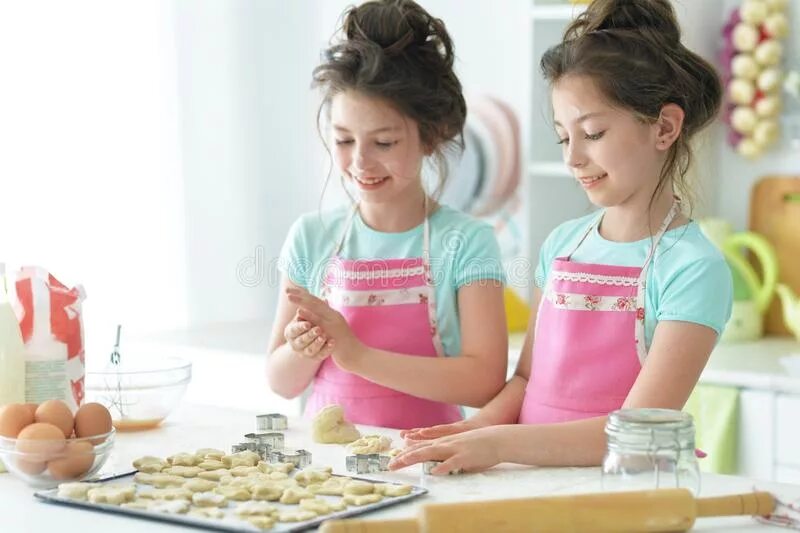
(463, 250)
(688, 279)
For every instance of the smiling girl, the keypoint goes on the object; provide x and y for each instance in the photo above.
(631, 299)
(393, 307)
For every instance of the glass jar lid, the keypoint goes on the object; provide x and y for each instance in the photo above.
(649, 428)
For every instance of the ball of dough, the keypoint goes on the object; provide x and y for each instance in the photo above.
(745, 37)
(766, 132)
(768, 107)
(749, 148)
(768, 53)
(744, 66)
(753, 11)
(741, 91)
(770, 80)
(329, 426)
(776, 25)
(743, 119)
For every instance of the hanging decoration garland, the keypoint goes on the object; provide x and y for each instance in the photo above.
(753, 74)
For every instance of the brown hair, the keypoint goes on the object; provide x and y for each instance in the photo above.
(395, 51)
(631, 49)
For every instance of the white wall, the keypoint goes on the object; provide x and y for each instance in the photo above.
(90, 179)
(250, 158)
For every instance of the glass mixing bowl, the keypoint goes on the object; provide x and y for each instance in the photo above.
(139, 394)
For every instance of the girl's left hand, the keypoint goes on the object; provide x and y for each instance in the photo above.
(346, 348)
(471, 451)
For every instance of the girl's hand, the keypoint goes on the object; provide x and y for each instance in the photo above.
(345, 346)
(434, 432)
(307, 339)
(471, 451)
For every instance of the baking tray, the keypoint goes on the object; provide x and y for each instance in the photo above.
(231, 522)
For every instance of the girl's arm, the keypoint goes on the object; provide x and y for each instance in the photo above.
(678, 353)
(473, 378)
(288, 371)
(504, 408)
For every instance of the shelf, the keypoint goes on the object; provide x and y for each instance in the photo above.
(554, 169)
(562, 12)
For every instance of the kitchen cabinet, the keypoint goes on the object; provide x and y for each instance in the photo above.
(769, 405)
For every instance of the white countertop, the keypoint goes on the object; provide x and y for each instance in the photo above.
(194, 426)
(755, 365)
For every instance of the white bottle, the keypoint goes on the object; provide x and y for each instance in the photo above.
(12, 352)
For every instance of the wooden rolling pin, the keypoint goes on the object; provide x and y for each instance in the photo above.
(640, 511)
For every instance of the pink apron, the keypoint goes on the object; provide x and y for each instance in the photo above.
(389, 304)
(589, 342)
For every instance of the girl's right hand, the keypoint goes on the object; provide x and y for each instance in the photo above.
(307, 339)
(434, 432)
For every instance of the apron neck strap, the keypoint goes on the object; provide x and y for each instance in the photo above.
(426, 238)
(673, 212)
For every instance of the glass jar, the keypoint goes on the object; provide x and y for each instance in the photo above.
(650, 449)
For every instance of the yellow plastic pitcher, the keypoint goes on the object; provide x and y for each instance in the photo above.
(752, 294)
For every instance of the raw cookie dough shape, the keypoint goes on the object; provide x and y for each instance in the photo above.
(392, 490)
(362, 499)
(261, 522)
(370, 444)
(321, 507)
(358, 487)
(209, 499)
(206, 512)
(330, 427)
(293, 496)
(312, 475)
(112, 494)
(255, 508)
(200, 485)
(75, 491)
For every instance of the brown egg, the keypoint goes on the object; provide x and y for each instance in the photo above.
(92, 419)
(31, 407)
(57, 413)
(30, 467)
(77, 459)
(14, 417)
(38, 442)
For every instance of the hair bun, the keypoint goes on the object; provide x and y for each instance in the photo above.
(394, 26)
(655, 17)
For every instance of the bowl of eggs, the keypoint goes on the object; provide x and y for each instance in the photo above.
(45, 444)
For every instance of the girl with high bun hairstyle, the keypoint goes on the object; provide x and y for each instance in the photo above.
(630, 299)
(393, 307)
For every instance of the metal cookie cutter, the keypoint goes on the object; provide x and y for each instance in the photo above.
(427, 466)
(367, 463)
(299, 458)
(271, 422)
(273, 439)
(243, 446)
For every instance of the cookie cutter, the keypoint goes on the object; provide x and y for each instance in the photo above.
(244, 446)
(272, 422)
(367, 463)
(427, 466)
(273, 439)
(299, 458)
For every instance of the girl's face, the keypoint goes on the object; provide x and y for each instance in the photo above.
(611, 152)
(376, 147)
